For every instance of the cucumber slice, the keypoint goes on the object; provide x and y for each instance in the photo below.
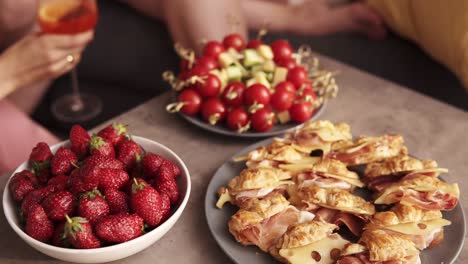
(261, 77)
(268, 66)
(222, 76)
(234, 73)
(251, 57)
(265, 51)
(280, 75)
(225, 59)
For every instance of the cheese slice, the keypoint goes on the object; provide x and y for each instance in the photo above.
(352, 210)
(325, 147)
(419, 228)
(223, 198)
(384, 198)
(329, 134)
(422, 171)
(325, 251)
(353, 181)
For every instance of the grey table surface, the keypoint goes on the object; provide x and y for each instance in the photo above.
(370, 105)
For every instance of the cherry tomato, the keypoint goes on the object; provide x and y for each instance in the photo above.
(209, 86)
(300, 112)
(262, 120)
(213, 110)
(234, 41)
(297, 76)
(307, 94)
(198, 71)
(286, 86)
(184, 65)
(281, 49)
(254, 43)
(192, 101)
(237, 118)
(233, 94)
(208, 62)
(282, 100)
(213, 49)
(288, 63)
(257, 93)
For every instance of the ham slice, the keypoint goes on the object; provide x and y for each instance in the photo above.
(266, 233)
(354, 223)
(307, 179)
(433, 200)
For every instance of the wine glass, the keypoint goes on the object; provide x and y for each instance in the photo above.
(71, 17)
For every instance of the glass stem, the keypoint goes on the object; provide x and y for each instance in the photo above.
(77, 104)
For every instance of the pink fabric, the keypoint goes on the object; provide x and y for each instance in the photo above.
(18, 135)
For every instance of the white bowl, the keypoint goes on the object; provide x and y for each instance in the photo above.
(114, 252)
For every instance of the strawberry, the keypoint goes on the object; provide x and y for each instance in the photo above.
(112, 179)
(43, 174)
(60, 180)
(38, 226)
(98, 146)
(58, 238)
(117, 200)
(75, 182)
(165, 173)
(59, 204)
(63, 161)
(120, 227)
(165, 206)
(40, 161)
(114, 133)
(38, 195)
(40, 153)
(79, 232)
(90, 176)
(150, 164)
(175, 168)
(92, 206)
(79, 139)
(146, 202)
(32, 198)
(21, 184)
(104, 162)
(128, 152)
(168, 187)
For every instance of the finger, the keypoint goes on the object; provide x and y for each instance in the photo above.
(51, 71)
(69, 41)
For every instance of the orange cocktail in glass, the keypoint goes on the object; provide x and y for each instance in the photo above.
(66, 17)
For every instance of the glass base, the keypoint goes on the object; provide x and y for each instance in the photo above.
(71, 109)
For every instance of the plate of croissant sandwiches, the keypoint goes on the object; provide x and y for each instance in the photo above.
(320, 195)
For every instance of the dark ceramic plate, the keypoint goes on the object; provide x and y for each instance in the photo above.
(277, 129)
(217, 219)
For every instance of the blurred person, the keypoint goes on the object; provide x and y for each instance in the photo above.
(191, 21)
(27, 67)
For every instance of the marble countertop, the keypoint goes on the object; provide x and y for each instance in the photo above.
(371, 106)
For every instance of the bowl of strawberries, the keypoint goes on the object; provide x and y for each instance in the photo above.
(96, 198)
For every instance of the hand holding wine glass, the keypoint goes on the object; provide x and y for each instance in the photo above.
(39, 57)
(70, 17)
